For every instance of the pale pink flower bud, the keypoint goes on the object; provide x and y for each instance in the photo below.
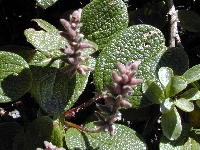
(111, 89)
(104, 108)
(134, 82)
(100, 116)
(81, 71)
(135, 65)
(121, 68)
(125, 104)
(110, 100)
(125, 78)
(117, 88)
(116, 77)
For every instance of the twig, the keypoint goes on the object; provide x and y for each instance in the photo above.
(174, 37)
(70, 113)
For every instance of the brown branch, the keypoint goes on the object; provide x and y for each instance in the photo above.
(174, 37)
(71, 113)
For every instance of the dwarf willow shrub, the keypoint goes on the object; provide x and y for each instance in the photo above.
(98, 41)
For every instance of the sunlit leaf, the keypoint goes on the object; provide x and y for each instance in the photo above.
(171, 124)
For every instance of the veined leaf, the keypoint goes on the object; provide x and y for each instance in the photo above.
(15, 76)
(46, 3)
(103, 19)
(124, 138)
(139, 42)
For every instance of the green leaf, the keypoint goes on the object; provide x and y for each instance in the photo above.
(153, 92)
(139, 42)
(183, 142)
(171, 124)
(25, 52)
(15, 76)
(176, 59)
(153, 14)
(198, 102)
(49, 43)
(124, 138)
(103, 19)
(192, 74)
(53, 90)
(45, 25)
(165, 74)
(167, 105)
(184, 105)
(45, 3)
(8, 131)
(176, 85)
(40, 130)
(189, 20)
(19, 140)
(191, 94)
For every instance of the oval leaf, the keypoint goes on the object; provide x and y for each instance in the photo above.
(153, 92)
(46, 3)
(184, 105)
(171, 124)
(15, 76)
(40, 130)
(176, 85)
(167, 105)
(165, 74)
(189, 20)
(8, 132)
(124, 138)
(102, 19)
(192, 74)
(49, 43)
(139, 42)
(53, 90)
(191, 94)
(176, 59)
(184, 142)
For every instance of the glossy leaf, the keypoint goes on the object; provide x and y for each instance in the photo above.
(153, 92)
(139, 42)
(46, 3)
(171, 124)
(124, 138)
(189, 20)
(103, 19)
(184, 105)
(186, 141)
(15, 77)
(8, 131)
(191, 94)
(192, 74)
(40, 130)
(165, 74)
(176, 85)
(167, 105)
